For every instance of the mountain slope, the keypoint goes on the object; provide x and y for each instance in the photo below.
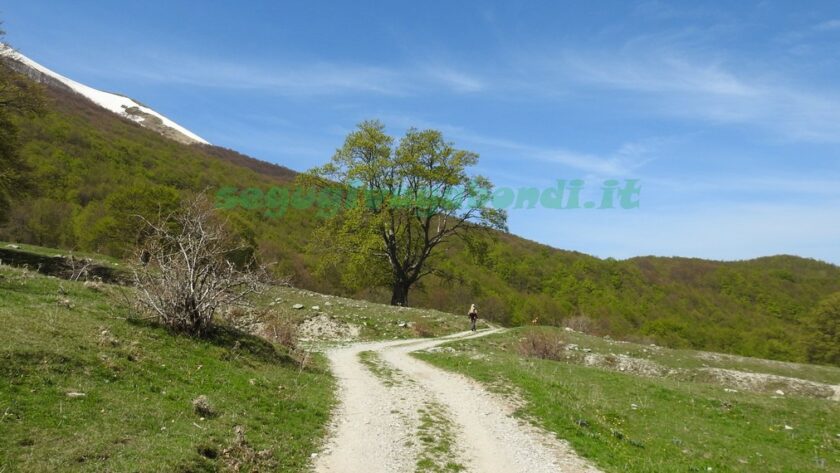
(118, 104)
(94, 170)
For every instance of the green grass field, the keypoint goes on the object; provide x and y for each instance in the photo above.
(630, 423)
(84, 388)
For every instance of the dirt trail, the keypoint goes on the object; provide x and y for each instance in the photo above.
(379, 426)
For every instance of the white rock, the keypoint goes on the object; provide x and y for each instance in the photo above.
(315, 307)
(780, 392)
(297, 306)
(787, 427)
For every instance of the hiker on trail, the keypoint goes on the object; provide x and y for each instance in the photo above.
(473, 316)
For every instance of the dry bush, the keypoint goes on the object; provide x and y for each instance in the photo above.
(241, 456)
(185, 274)
(548, 345)
(580, 323)
(203, 407)
(422, 329)
(282, 331)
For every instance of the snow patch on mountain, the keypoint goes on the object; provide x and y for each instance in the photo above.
(118, 104)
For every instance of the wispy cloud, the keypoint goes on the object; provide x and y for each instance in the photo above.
(676, 83)
(456, 80)
(617, 163)
(299, 78)
(656, 73)
(623, 161)
(317, 78)
(828, 25)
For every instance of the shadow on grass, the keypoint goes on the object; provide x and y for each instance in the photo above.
(61, 267)
(23, 364)
(236, 342)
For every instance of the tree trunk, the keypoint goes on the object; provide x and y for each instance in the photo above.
(399, 296)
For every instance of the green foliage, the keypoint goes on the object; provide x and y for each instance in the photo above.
(412, 198)
(124, 212)
(17, 97)
(823, 344)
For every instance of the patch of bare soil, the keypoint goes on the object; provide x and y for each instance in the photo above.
(322, 327)
(762, 382)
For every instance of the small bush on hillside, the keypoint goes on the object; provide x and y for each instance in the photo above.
(422, 329)
(185, 273)
(579, 323)
(242, 456)
(281, 331)
(548, 345)
(203, 407)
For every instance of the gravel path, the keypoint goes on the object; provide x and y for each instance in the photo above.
(377, 425)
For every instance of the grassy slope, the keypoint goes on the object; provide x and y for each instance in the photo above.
(83, 156)
(676, 425)
(139, 382)
(375, 321)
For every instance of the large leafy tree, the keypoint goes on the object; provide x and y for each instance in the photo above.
(405, 200)
(17, 96)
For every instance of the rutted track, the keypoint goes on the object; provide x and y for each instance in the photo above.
(378, 425)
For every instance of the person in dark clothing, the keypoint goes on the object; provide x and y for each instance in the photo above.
(473, 317)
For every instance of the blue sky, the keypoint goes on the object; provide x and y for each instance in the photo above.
(728, 112)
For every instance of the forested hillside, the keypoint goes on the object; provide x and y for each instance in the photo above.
(91, 172)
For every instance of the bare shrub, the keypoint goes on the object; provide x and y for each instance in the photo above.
(611, 360)
(282, 331)
(241, 456)
(203, 407)
(580, 323)
(185, 273)
(548, 345)
(423, 329)
(286, 332)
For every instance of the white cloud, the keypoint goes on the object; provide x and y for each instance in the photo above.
(677, 84)
(455, 80)
(301, 78)
(621, 162)
(318, 78)
(828, 25)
